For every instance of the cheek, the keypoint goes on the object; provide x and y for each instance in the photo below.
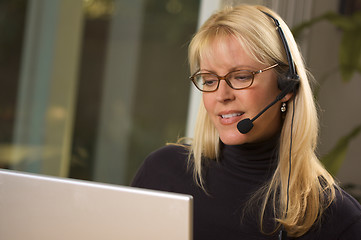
(208, 102)
(264, 95)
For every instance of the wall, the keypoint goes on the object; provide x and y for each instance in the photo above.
(339, 101)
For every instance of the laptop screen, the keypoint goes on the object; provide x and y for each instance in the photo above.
(36, 207)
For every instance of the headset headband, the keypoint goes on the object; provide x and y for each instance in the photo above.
(292, 73)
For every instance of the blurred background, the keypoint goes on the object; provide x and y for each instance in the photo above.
(90, 87)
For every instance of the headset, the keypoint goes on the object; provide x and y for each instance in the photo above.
(291, 77)
(288, 82)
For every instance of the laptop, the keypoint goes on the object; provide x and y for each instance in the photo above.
(37, 207)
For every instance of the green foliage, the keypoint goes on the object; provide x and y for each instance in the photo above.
(334, 159)
(350, 47)
(349, 64)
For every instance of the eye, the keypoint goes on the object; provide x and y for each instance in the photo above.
(207, 79)
(241, 76)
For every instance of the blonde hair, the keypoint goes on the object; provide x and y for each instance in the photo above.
(311, 187)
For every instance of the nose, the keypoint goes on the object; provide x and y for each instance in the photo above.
(224, 92)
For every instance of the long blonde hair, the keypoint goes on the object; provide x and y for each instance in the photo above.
(311, 187)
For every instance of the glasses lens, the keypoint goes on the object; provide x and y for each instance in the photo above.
(206, 81)
(240, 79)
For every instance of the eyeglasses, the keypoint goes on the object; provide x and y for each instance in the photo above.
(238, 79)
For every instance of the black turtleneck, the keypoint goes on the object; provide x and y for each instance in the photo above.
(231, 181)
(252, 161)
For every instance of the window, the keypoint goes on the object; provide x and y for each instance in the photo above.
(93, 86)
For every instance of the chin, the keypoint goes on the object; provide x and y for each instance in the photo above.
(234, 139)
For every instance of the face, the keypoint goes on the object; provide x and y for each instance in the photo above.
(226, 106)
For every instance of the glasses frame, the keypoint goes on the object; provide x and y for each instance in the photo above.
(192, 78)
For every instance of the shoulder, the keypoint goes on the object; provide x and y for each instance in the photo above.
(346, 202)
(345, 207)
(347, 213)
(341, 220)
(163, 167)
(173, 151)
(167, 156)
(343, 217)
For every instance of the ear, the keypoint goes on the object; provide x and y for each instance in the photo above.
(287, 97)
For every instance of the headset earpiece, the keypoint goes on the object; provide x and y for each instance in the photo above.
(291, 76)
(285, 79)
(282, 82)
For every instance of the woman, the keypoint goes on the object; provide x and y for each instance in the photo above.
(267, 181)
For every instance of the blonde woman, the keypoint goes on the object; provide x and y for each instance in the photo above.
(265, 181)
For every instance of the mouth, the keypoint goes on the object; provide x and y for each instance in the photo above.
(230, 115)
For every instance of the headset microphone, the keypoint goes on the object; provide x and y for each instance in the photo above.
(291, 80)
(245, 125)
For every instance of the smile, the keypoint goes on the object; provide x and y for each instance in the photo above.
(231, 115)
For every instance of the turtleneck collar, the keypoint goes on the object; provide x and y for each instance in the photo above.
(258, 159)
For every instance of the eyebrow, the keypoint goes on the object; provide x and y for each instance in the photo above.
(241, 67)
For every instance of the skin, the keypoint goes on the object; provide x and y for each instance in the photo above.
(228, 55)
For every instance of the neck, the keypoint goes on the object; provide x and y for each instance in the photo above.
(259, 159)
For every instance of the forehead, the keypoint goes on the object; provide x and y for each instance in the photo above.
(226, 53)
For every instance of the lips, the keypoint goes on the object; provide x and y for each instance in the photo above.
(231, 115)
(227, 118)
